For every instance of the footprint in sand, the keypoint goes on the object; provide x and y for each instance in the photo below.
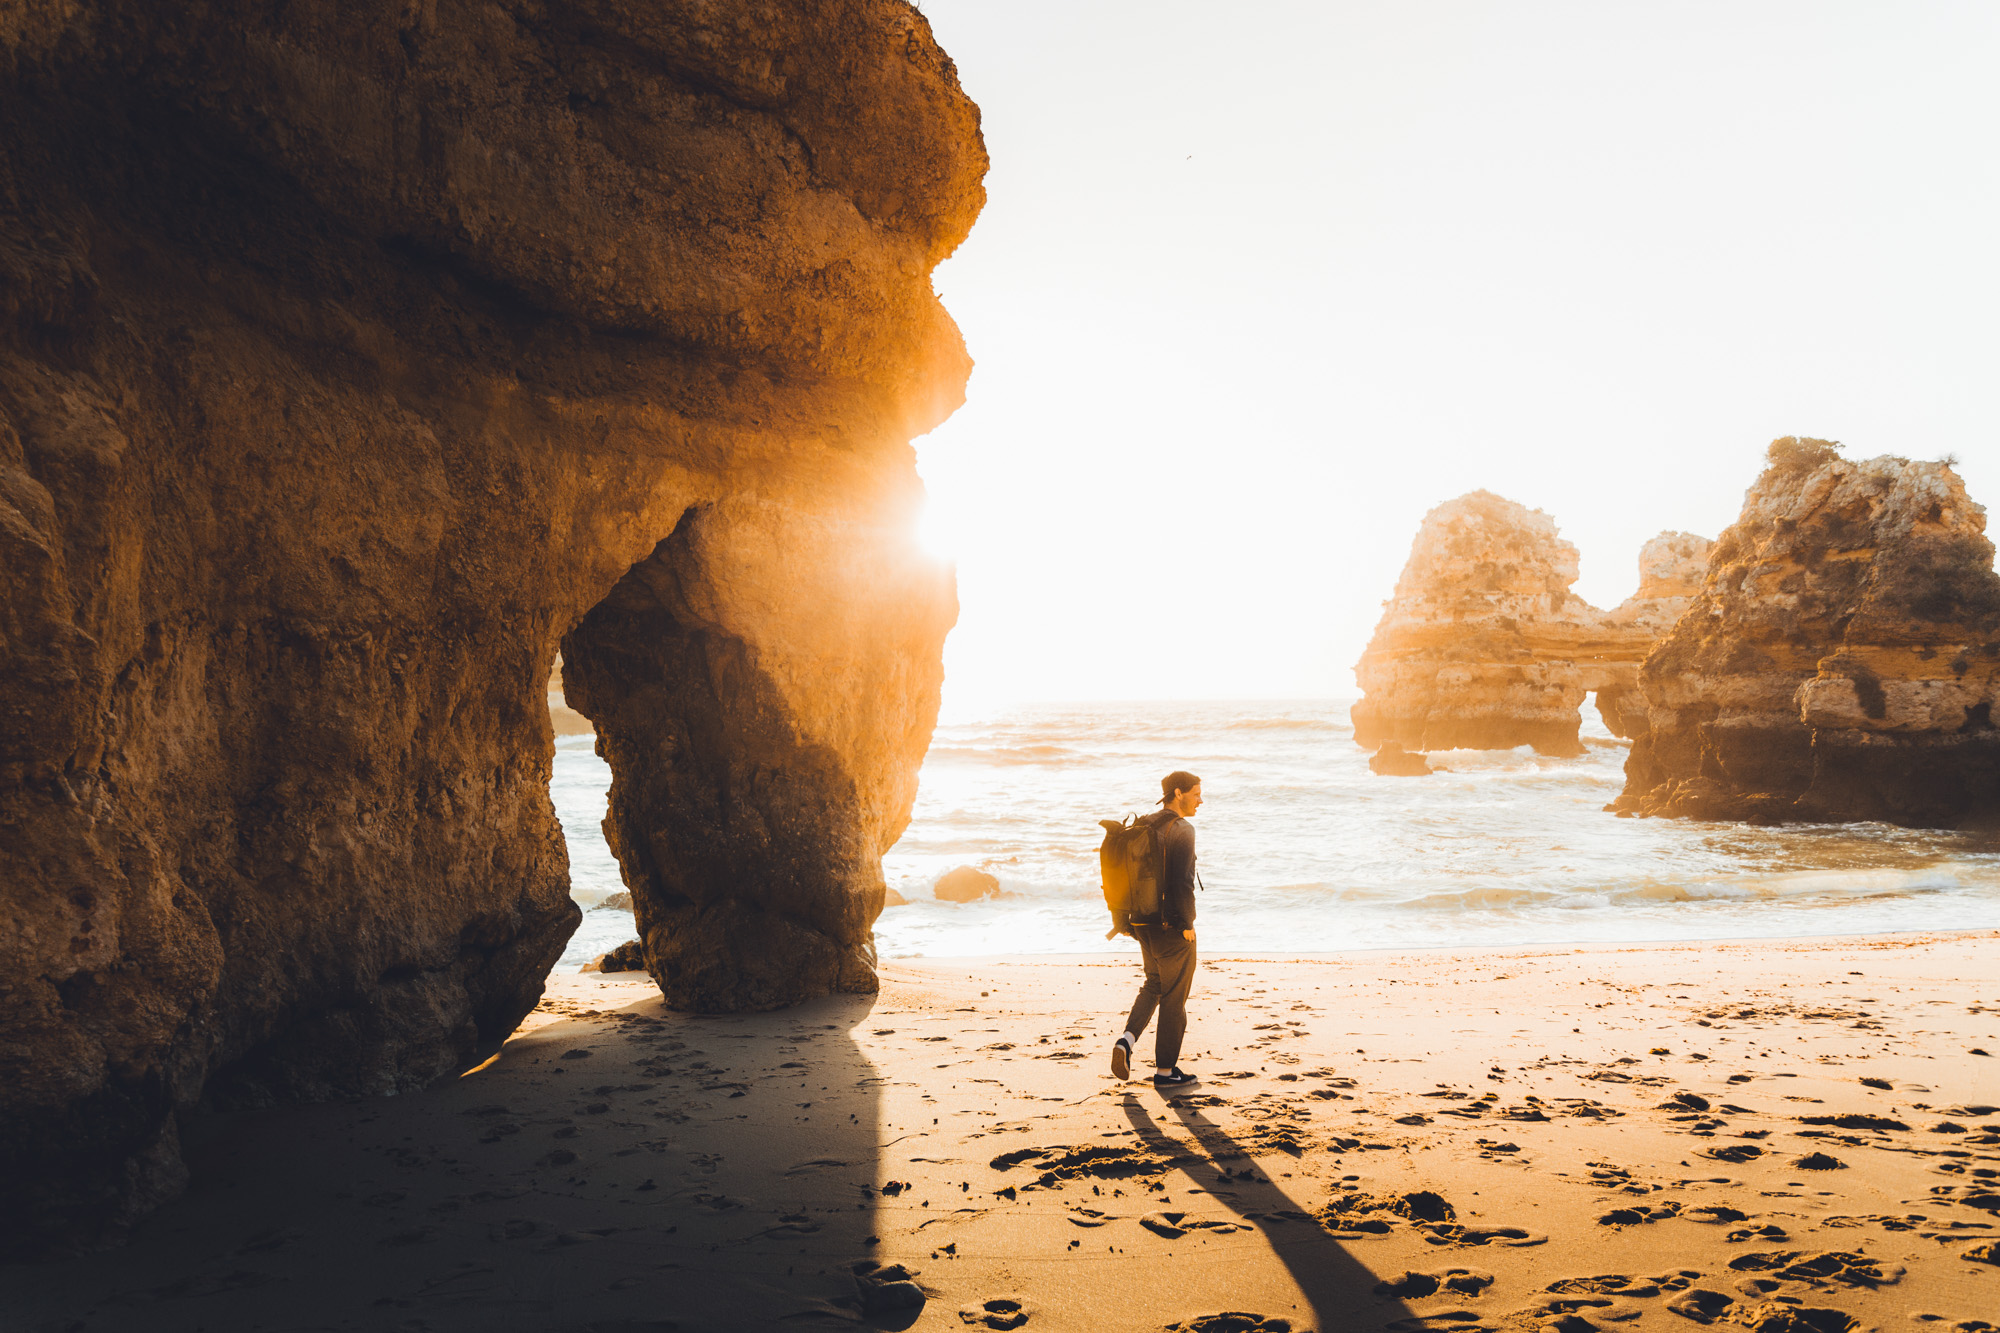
(1832, 1267)
(1000, 1312)
(1702, 1305)
(1450, 1233)
(1171, 1225)
(1231, 1321)
(1879, 1123)
(1818, 1161)
(1736, 1152)
(1459, 1281)
(1606, 1284)
(1571, 1323)
(1430, 1212)
(887, 1289)
(1775, 1318)
(1466, 1321)
(1758, 1233)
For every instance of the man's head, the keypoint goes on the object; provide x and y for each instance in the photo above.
(1180, 792)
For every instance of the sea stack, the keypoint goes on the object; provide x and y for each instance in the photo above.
(1840, 661)
(1484, 646)
(352, 359)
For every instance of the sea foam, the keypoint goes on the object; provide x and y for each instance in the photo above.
(1304, 850)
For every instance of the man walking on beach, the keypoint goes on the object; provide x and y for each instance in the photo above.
(1166, 941)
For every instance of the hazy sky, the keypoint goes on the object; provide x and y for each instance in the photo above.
(1258, 284)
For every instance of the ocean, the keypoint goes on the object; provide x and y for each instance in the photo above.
(1302, 849)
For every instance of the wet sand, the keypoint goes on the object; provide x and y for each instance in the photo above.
(1788, 1136)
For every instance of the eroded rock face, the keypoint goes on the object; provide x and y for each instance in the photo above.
(351, 357)
(1842, 659)
(1485, 647)
(764, 686)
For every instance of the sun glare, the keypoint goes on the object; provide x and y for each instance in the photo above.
(935, 530)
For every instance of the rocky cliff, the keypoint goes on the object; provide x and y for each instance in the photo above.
(1842, 659)
(1484, 646)
(352, 358)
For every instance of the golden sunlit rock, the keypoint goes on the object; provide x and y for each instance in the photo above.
(1484, 646)
(351, 356)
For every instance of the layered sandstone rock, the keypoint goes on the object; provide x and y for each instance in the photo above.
(1485, 647)
(351, 358)
(1842, 661)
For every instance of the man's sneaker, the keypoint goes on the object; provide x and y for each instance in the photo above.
(1174, 1079)
(1121, 1060)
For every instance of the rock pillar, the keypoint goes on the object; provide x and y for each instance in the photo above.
(764, 685)
(1484, 646)
(1840, 662)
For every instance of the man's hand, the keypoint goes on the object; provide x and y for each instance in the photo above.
(1187, 934)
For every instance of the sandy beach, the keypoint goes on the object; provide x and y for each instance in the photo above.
(1790, 1136)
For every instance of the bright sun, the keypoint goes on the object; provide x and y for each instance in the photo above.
(935, 530)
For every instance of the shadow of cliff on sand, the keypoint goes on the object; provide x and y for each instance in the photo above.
(620, 1169)
(1339, 1289)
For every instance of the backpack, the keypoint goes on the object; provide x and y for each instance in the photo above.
(1130, 864)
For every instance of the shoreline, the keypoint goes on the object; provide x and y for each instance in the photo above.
(1612, 946)
(1487, 1139)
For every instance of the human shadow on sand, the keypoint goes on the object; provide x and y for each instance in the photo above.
(1341, 1292)
(622, 1170)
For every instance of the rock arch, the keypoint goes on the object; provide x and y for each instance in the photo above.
(1484, 646)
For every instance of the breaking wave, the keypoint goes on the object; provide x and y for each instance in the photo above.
(1303, 849)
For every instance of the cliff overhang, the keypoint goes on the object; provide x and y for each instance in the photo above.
(352, 359)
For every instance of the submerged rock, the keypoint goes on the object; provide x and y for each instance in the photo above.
(352, 359)
(966, 884)
(1842, 659)
(1484, 647)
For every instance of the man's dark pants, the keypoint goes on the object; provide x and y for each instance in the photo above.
(1169, 959)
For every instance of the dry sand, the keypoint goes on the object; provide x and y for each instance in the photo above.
(1750, 1135)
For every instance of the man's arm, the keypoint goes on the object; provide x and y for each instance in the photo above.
(1177, 866)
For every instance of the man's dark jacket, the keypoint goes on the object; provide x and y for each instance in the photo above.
(1176, 838)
